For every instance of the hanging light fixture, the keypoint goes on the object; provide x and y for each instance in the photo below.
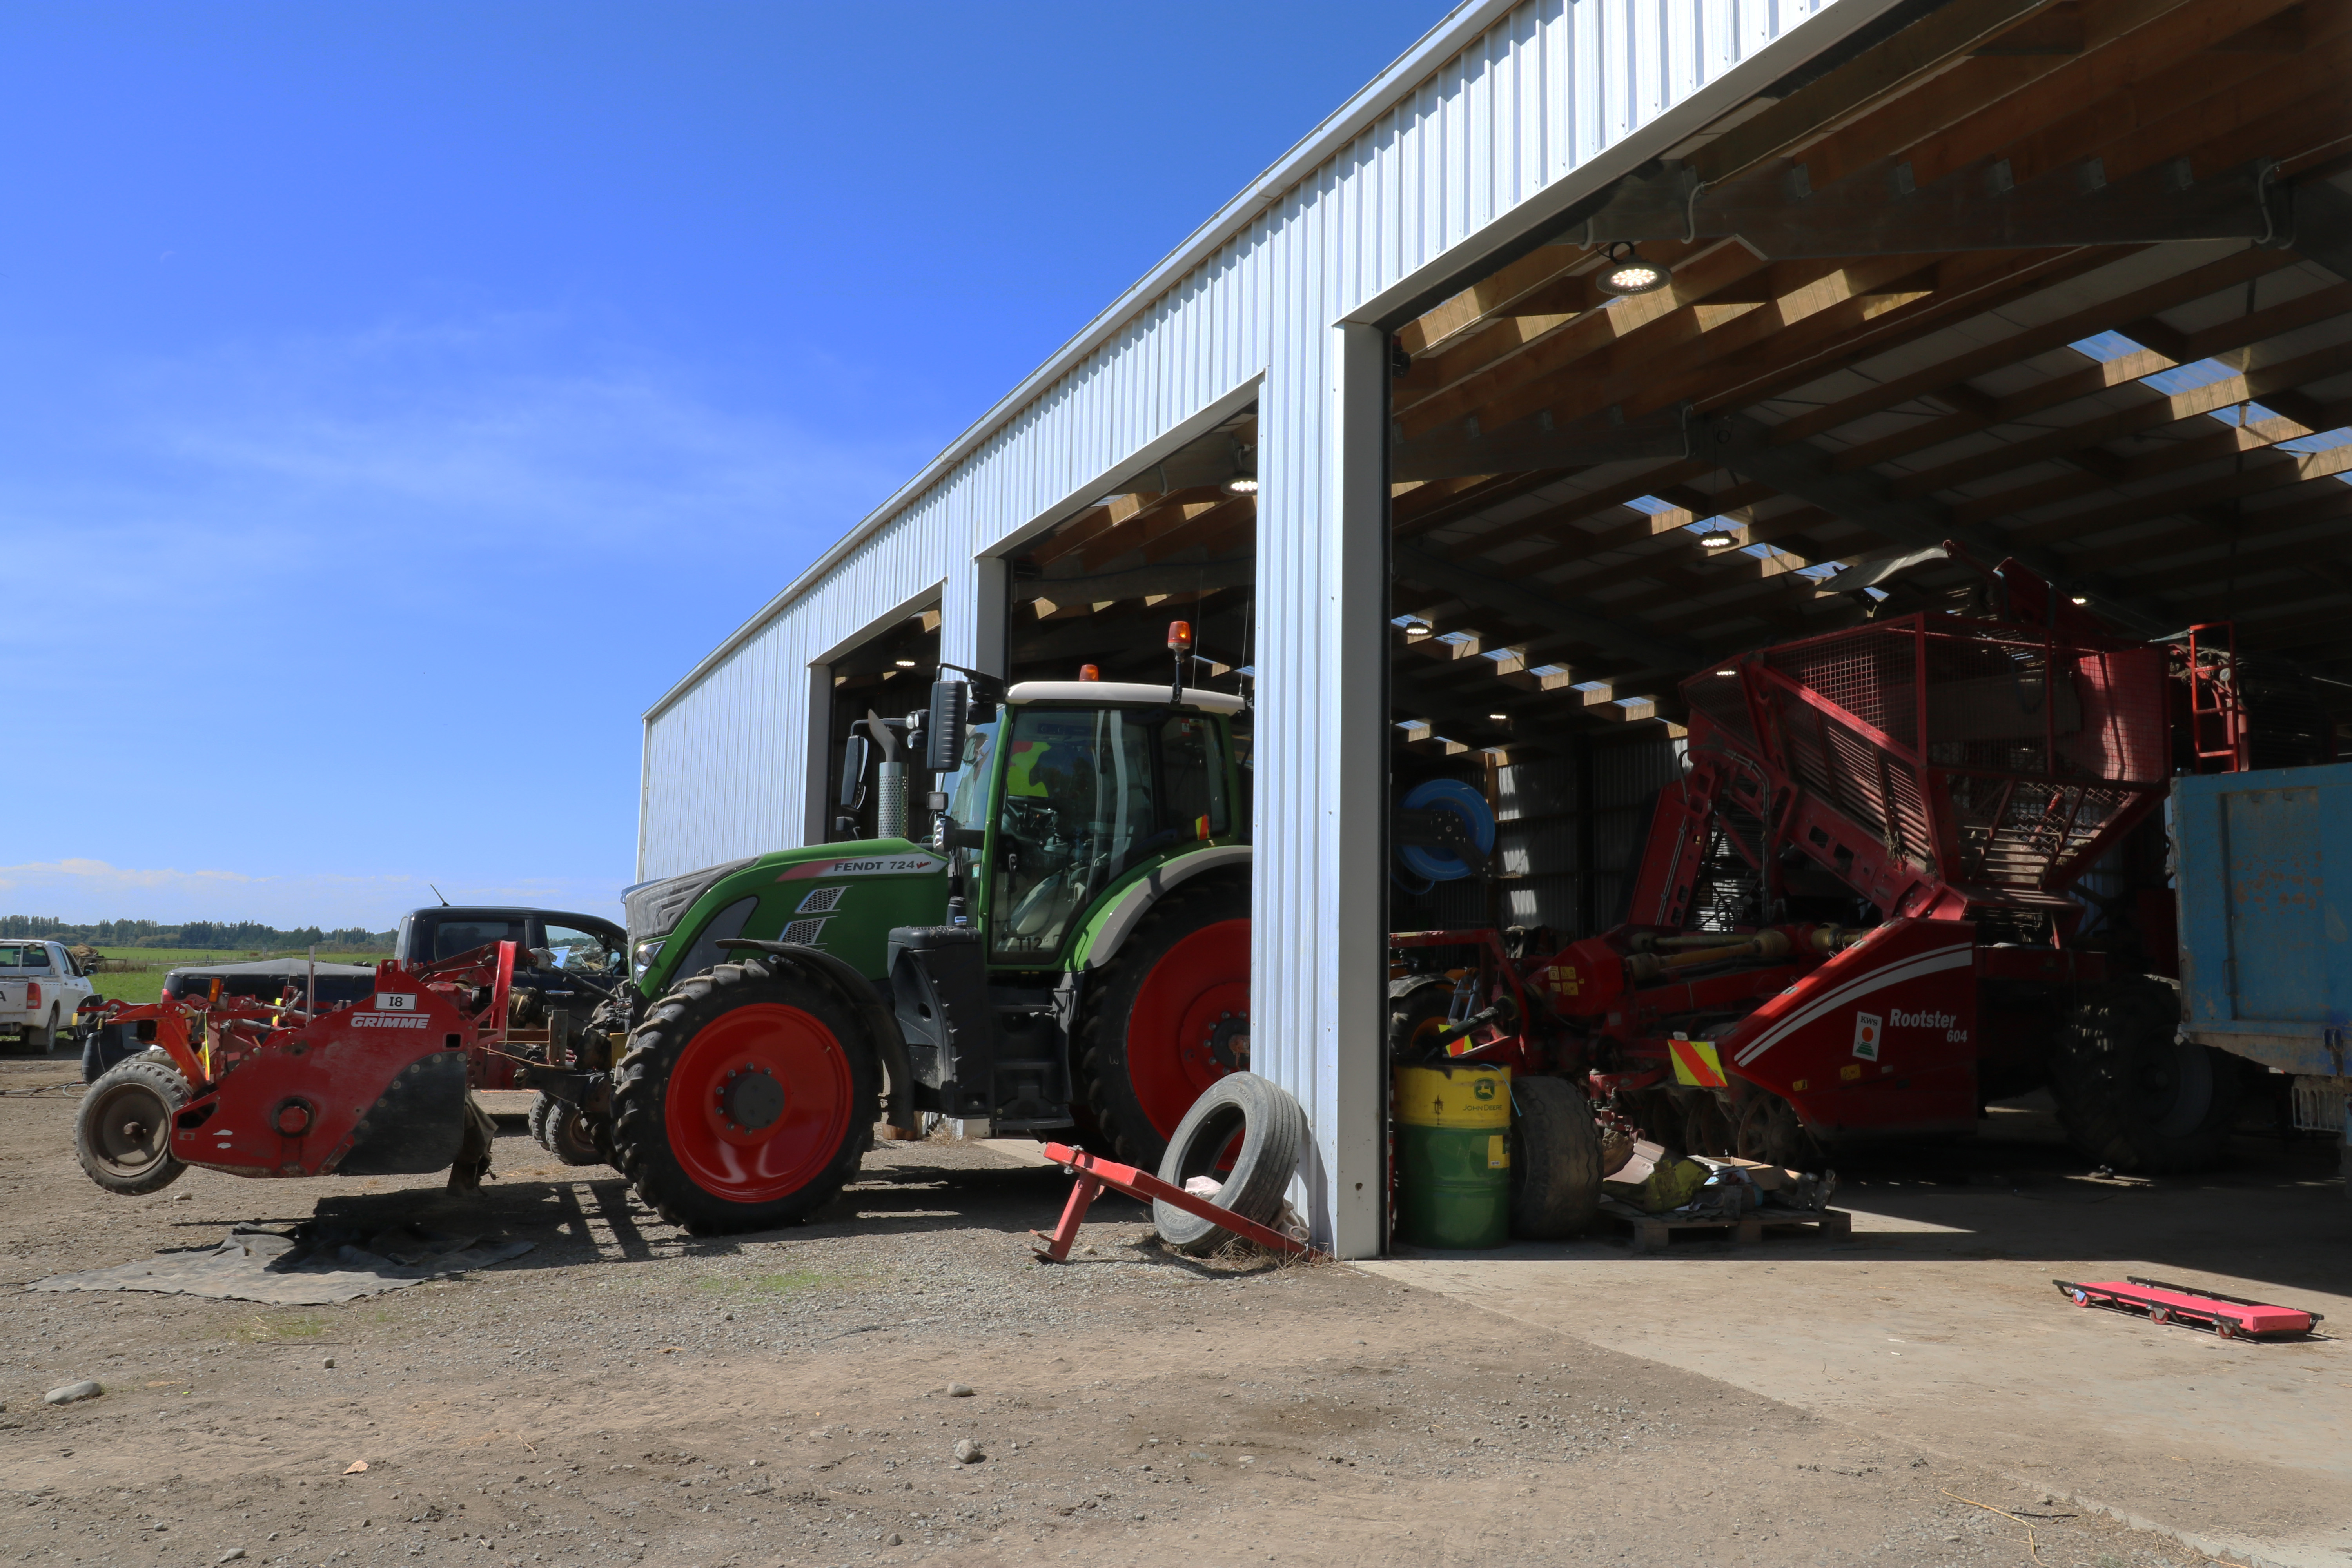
(1414, 630)
(1628, 274)
(1718, 537)
(1243, 484)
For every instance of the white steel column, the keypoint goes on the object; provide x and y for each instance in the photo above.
(816, 736)
(1355, 737)
(971, 613)
(1317, 905)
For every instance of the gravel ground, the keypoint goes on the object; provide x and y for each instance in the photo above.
(626, 1393)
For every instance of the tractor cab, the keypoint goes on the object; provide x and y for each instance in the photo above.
(1068, 792)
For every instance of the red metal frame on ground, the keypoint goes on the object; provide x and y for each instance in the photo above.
(2191, 1306)
(1095, 1172)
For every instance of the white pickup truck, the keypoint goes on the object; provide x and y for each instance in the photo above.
(41, 989)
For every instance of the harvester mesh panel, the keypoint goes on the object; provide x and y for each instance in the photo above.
(1989, 751)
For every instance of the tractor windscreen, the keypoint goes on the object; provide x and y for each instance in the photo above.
(1089, 793)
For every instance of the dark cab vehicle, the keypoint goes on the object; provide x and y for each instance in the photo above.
(567, 962)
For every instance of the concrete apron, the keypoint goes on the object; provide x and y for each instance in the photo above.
(1936, 1327)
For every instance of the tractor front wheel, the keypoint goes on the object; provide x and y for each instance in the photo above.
(744, 1101)
(124, 1131)
(571, 1136)
(1169, 1017)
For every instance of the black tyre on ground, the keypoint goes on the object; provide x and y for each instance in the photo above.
(122, 1134)
(40, 1037)
(744, 1100)
(1168, 1017)
(2132, 1094)
(571, 1135)
(1271, 1130)
(1555, 1159)
(541, 1109)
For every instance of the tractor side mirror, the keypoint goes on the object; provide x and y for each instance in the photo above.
(944, 727)
(853, 756)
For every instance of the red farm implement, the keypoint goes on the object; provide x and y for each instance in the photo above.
(378, 1086)
(1855, 913)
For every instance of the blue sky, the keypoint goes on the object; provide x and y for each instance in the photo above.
(397, 398)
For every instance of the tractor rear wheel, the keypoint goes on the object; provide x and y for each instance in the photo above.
(1169, 1017)
(1555, 1159)
(745, 1100)
(123, 1133)
(2131, 1093)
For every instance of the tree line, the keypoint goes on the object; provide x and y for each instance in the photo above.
(213, 935)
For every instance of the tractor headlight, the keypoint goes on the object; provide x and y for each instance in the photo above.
(642, 957)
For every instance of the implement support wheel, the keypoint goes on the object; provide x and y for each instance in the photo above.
(124, 1131)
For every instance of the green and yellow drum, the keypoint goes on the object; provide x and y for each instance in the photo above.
(1453, 1155)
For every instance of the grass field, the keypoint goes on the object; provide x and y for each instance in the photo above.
(137, 986)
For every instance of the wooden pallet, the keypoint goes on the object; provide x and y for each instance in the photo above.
(1655, 1232)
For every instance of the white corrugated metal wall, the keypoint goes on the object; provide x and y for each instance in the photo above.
(1500, 116)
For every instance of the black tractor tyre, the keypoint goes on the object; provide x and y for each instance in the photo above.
(1418, 1005)
(2131, 1093)
(1105, 1048)
(1272, 1126)
(1555, 1159)
(571, 1135)
(122, 1133)
(689, 1033)
(541, 1108)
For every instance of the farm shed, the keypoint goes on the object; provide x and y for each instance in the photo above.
(2064, 280)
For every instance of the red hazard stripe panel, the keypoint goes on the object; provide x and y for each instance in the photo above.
(1697, 1062)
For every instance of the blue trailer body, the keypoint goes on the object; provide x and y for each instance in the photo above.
(2263, 867)
(2265, 932)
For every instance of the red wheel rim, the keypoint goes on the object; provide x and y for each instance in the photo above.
(760, 1164)
(1199, 984)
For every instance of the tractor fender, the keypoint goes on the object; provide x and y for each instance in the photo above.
(1112, 928)
(856, 993)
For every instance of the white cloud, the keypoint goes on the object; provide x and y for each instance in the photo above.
(407, 453)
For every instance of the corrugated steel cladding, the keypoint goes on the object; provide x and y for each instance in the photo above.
(1533, 93)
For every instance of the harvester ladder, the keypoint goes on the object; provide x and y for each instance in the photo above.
(2217, 713)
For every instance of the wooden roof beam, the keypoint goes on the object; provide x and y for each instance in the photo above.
(1952, 374)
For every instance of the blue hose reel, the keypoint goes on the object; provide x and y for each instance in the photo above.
(1422, 865)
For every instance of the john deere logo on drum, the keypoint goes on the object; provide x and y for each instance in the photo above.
(1482, 1088)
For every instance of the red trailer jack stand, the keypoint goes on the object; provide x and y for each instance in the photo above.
(1095, 1173)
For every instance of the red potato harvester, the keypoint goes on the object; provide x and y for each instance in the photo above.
(1938, 784)
(375, 1088)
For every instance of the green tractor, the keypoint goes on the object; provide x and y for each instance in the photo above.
(1070, 952)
